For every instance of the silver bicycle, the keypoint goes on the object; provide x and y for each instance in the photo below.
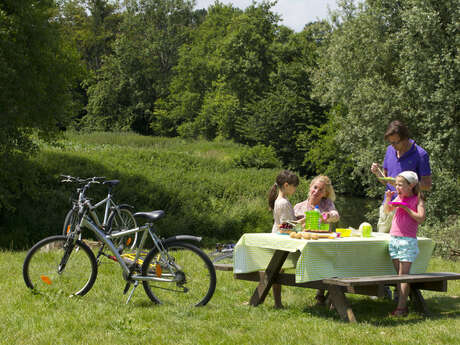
(174, 271)
(116, 217)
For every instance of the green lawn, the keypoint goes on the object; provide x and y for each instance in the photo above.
(102, 317)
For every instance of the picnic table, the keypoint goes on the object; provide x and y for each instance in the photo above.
(342, 265)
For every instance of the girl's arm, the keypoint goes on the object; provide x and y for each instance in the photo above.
(419, 215)
(387, 208)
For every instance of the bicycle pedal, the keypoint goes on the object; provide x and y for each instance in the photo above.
(125, 290)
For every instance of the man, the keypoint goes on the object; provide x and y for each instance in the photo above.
(402, 154)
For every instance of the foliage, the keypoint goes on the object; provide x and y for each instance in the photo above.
(195, 182)
(138, 72)
(388, 60)
(37, 69)
(258, 156)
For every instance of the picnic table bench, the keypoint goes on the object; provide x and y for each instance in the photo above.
(337, 286)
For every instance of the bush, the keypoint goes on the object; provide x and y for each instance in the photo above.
(259, 156)
(194, 182)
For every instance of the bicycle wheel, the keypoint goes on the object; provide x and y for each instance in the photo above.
(222, 257)
(41, 267)
(123, 220)
(190, 277)
(70, 222)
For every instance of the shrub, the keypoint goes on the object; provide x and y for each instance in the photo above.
(258, 156)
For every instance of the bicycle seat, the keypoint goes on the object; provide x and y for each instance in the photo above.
(152, 215)
(111, 183)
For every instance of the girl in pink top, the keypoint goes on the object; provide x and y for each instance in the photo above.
(410, 212)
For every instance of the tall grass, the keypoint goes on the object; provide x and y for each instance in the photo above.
(103, 317)
(197, 183)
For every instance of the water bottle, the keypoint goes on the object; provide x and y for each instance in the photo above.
(312, 219)
(319, 216)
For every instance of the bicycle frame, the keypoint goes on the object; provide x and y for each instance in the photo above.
(108, 204)
(88, 223)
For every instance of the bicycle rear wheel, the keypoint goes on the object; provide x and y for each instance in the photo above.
(42, 273)
(190, 275)
(70, 222)
(123, 220)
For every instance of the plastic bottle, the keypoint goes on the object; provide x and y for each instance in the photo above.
(319, 216)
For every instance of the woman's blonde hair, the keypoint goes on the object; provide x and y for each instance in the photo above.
(330, 193)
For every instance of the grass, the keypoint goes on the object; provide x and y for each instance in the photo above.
(103, 317)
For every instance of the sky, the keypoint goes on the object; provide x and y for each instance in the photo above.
(295, 13)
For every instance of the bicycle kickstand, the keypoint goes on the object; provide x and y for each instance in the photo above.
(136, 283)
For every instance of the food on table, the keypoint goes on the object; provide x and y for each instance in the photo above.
(285, 228)
(306, 235)
(293, 234)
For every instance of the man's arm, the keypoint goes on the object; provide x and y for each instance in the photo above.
(425, 183)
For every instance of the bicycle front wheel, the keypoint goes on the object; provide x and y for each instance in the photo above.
(52, 269)
(123, 219)
(188, 275)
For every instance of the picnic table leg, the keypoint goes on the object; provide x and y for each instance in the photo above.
(267, 278)
(419, 302)
(338, 299)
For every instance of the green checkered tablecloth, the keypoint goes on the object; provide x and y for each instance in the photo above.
(325, 258)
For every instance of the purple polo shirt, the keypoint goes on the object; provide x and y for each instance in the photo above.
(416, 159)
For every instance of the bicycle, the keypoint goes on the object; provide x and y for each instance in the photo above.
(116, 217)
(174, 271)
(223, 253)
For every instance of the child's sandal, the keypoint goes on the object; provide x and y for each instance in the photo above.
(400, 312)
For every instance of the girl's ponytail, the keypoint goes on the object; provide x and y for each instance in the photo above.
(272, 195)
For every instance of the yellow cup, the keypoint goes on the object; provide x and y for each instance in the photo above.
(343, 232)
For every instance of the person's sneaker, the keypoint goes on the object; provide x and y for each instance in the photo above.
(387, 293)
(396, 296)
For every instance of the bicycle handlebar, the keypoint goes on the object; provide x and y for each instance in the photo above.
(89, 180)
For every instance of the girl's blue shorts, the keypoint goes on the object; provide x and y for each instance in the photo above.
(403, 248)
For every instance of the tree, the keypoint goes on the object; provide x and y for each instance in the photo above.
(140, 68)
(388, 60)
(37, 70)
(228, 60)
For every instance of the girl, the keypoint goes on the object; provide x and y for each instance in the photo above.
(410, 211)
(284, 186)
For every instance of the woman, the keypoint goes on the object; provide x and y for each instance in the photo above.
(321, 194)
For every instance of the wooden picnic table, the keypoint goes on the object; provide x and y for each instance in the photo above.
(252, 251)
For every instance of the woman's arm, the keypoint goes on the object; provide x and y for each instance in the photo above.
(330, 212)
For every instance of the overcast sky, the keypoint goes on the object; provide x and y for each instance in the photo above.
(295, 13)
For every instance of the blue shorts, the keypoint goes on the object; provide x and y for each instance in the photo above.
(403, 248)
